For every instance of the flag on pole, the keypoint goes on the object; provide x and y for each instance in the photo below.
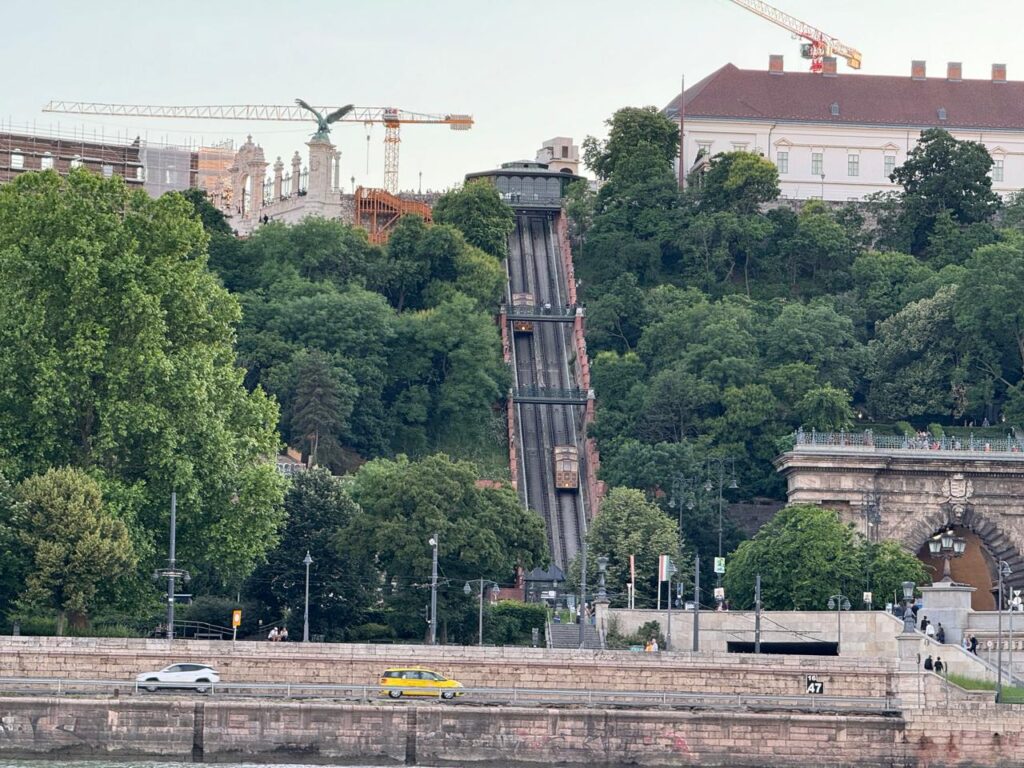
(632, 568)
(665, 568)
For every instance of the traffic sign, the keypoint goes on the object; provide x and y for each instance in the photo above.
(236, 618)
(814, 686)
(719, 593)
(719, 565)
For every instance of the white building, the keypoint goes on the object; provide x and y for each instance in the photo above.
(560, 154)
(839, 136)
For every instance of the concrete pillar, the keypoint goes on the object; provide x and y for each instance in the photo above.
(948, 604)
(601, 617)
(336, 179)
(321, 152)
(296, 174)
(278, 178)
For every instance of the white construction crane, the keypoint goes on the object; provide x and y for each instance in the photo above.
(391, 117)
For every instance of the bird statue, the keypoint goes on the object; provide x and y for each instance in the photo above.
(323, 123)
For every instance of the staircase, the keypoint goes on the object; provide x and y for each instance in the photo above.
(568, 636)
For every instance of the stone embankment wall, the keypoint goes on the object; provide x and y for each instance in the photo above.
(122, 659)
(214, 730)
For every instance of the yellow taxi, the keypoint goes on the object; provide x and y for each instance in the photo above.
(417, 681)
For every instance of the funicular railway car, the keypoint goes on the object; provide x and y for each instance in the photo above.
(567, 467)
(522, 302)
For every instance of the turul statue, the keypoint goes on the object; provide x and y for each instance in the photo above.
(324, 123)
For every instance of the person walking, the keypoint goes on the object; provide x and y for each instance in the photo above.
(929, 631)
(924, 624)
(939, 666)
(940, 634)
(974, 645)
(928, 663)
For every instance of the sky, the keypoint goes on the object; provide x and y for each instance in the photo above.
(526, 70)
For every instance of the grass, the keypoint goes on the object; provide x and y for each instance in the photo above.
(1011, 694)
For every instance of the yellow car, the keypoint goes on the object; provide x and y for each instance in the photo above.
(416, 681)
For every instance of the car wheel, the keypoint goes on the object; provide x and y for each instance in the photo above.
(395, 694)
(448, 694)
(151, 688)
(202, 688)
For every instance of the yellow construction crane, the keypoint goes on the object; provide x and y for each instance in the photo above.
(391, 117)
(818, 43)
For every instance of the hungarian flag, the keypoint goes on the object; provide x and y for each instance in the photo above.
(666, 569)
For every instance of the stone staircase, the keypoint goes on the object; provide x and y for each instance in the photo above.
(568, 636)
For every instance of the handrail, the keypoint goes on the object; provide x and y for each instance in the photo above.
(517, 696)
(869, 441)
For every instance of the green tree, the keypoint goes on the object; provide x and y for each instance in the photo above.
(76, 549)
(342, 580)
(484, 532)
(739, 182)
(213, 220)
(816, 334)
(629, 524)
(940, 174)
(804, 554)
(628, 128)
(477, 211)
(116, 356)
(887, 565)
(324, 397)
(825, 408)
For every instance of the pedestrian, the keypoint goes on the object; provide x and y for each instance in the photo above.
(974, 645)
(654, 645)
(924, 623)
(929, 631)
(966, 643)
(928, 663)
(939, 666)
(647, 646)
(282, 635)
(940, 633)
(272, 636)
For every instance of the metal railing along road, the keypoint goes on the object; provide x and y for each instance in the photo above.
(50, 686)
(1010, 447)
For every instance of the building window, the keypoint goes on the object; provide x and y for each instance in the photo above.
(817, 164)
(17, 159)
(853, 165)
(782, 161)
(739, 146)
(565, 152)
(46, 161)
(834, 109)
(997, 170)
(76, 161)
(108, 171)
(890, 165)
(140, 174)
(704, 147)
(942, 113)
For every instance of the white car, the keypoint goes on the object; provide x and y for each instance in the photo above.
(197, 676)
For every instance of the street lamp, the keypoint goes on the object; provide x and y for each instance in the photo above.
(909, 623)
(946, 545)
(495, 589)
(839, 603)
(306, 561)
(719, 464)
(433, 542)
(1004, 570)
(602, 566)
(172, 572)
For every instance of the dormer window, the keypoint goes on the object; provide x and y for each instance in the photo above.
(942, 113)
(835, 109)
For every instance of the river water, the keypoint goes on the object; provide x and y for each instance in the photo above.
(159, 764)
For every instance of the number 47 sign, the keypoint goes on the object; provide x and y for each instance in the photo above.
(815, 686)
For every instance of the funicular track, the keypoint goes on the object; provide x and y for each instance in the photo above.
(545, 359)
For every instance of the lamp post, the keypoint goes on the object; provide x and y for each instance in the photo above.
(713, 465)
(494, 596)
(909, 624)
(684, 493)
(433, 541)
(172, 573)
(948, 546)
(306, 561)
(839, 603)
(1004, 570)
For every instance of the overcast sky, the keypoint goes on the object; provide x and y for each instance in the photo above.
(527, 70)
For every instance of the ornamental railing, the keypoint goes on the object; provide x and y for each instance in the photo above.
(923, 442)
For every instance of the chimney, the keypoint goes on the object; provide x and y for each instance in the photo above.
(954, 72)
(775, 64)
(917, 70)
(828, 66)
(998, 73)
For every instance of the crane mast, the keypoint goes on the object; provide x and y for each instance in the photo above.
(391, 118)
(819, 44)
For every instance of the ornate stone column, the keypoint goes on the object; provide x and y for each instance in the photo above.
(321, 152)
(296, 174)
(336, 182)
(278, 178)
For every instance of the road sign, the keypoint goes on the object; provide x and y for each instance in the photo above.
(236, 618)
(719, 593)
(867, 597)
(814, 686)
(719, 565)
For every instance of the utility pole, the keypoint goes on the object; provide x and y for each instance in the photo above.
(668, 631)
(696, 603)
(757, 613)
(171, 569)
(1004, 570)
(583, 595)
(433, 591)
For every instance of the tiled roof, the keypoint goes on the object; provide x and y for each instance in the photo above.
(730, 92)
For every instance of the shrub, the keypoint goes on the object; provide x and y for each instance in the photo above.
(511, 622)
(936, 430)
(904, 428)
(370, 631)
